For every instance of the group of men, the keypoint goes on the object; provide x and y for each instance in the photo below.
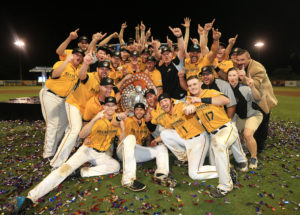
(189, 112)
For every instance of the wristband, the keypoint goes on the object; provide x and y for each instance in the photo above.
(217, 69)
(206, 100)
(180, 36)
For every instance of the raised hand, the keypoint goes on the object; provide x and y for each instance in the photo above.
(115, 35)
(148, 33)
(250, 81)
(99, 115)
(176, 31)
(73, 35)
(187, 22)
(232, 41)
(242, 73)
(98, 36)
(169, 42)
(216, 34)
(200, 29)
(208, 26)
(194, 40)
(143, 28)
(88, 58)
(124, 25)
(137, 28)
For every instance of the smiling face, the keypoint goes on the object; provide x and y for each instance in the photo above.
(109, 109)
(83, 45)
(221, 53)
(105, 90)
(139, 113)
(77, 59)
(166, 105)
(101, 55)
(151, 100)
(243, 60)
(103, 72)
(207, 78)
(194, 86)
(194, 56)
(166, 57)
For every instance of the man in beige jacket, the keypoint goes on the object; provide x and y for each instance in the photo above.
(262, 83)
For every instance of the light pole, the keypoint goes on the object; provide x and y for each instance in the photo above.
(259, 46)
(20, 44)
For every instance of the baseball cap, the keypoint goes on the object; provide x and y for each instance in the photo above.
(135, 54)
(149, 91)
(195, 48)
(102, 48)
(222, 44)
(139, 105)
(146, 51)
(237, 50)
(130, 41)
(78, 50)
(163, 96)
(106, 81)
(110, 99)
(116, 54)
(125, 50)
(104, 64)
(83, 38)
(207, 69)
(151, 58)
(165, 49)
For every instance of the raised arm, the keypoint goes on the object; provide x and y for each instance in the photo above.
(95, 39)
(63, 46)
(155, 45)
(143, 36)
(86, 130)
(137, 33)
(177, 33)
(219, 100)
(203, 40)
(255, 93)
(87, 60)
(57, 71)
(186, 24)
(215, 46)
(109, 38)
(228, 49)
(121, 34)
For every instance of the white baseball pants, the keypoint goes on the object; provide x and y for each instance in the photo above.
(195, 149)
(105, 164)
(54, 113)
(220, 144)
(132, 153)
(68, 142)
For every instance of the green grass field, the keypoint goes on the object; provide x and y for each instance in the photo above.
(271, 189)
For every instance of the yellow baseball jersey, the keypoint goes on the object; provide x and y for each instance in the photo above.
(115, 74)
(85, 91)
(102, 134)
(65, 83)
(67, 52)
(195, 68)
(127, 69)
(211, 116)
(225, 65)
(93, 106)
(141, 132)
(155, 76)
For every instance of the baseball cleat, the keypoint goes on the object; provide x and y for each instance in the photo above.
(21, 204)
(218, 193)
(242, 167)
(233, 175)
(135, 186)
(164, 180)
(180, 163)
(253, 163)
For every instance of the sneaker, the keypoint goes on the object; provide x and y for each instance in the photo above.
(135, 186)
(180, 163)
(233, 175)
(253, 163)
(164, 180)
(21, 204)
(218, 193)
(242, 167)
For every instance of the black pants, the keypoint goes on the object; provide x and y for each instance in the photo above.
(261, 133)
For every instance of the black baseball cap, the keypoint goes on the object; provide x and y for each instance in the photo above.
(134, 54)
(195, 48)
(147, 51)
(207, 69)
(130, 41)
(139, 105)
(102, 48)
(116, 54)
(163, 96)
(222, 44)
(104, 64)
(106, 81)
(237, 50)
(165, 49)
(149, 91)
(151, 58)
(110, 99)
(83, 38)
(78, 50)
(125, 50)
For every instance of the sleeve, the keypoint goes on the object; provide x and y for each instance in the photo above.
(67, 52)
(85, 80)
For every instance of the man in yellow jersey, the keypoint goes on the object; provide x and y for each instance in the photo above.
(75, 106)
(98, 134)
(135, 148)
(209, 108)
(62, 50)
(194, 63)
(63, 80)
(116, 69)
(134, 65)
(101, 55)
(186, 138)
(154, 74)
(144, 55)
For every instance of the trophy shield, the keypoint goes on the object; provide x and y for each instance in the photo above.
(133, 89)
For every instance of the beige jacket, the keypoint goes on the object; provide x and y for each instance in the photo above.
(262, 83)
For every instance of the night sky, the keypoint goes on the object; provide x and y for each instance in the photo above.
(43, 27)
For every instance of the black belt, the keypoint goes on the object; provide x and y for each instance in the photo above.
(195, 136)
(98, 150)
(216, 131)
(50, 91)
